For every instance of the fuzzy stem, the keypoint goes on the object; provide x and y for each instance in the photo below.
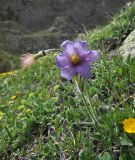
(50, 50)
(44, 52)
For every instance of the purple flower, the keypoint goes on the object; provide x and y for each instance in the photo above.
(76, 59)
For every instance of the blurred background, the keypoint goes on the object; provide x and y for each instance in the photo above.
(33, 25)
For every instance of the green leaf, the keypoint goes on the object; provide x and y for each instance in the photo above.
(125, 141)
(106, 156)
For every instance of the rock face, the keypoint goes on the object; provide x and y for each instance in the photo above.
(23, 20)
(128, 46)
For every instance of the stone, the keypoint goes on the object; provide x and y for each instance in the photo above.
(128, 46)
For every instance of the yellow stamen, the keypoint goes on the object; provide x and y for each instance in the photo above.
(75, 59)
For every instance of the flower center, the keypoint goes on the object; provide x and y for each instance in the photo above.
(75, 59)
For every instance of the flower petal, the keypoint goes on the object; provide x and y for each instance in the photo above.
(68, 47)
(84, 70)
(68, 72)
(81, 45)
(92, 56)
(63, 61)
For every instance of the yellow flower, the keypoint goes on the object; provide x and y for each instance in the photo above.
(13, 97)
(129, 125)
(7, 73)
(1, 115)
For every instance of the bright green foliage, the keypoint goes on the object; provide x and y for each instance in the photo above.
(46, 117)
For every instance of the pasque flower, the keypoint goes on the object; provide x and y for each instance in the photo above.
(129, 125)
(28, 59)
(76, 59)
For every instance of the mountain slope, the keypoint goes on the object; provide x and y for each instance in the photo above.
(43, 116)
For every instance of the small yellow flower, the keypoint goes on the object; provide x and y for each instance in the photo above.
(129, 125)
(2, 74)
(13, 97)
(1, 115)
(7, 73)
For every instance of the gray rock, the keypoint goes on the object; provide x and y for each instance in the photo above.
(128, 46)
